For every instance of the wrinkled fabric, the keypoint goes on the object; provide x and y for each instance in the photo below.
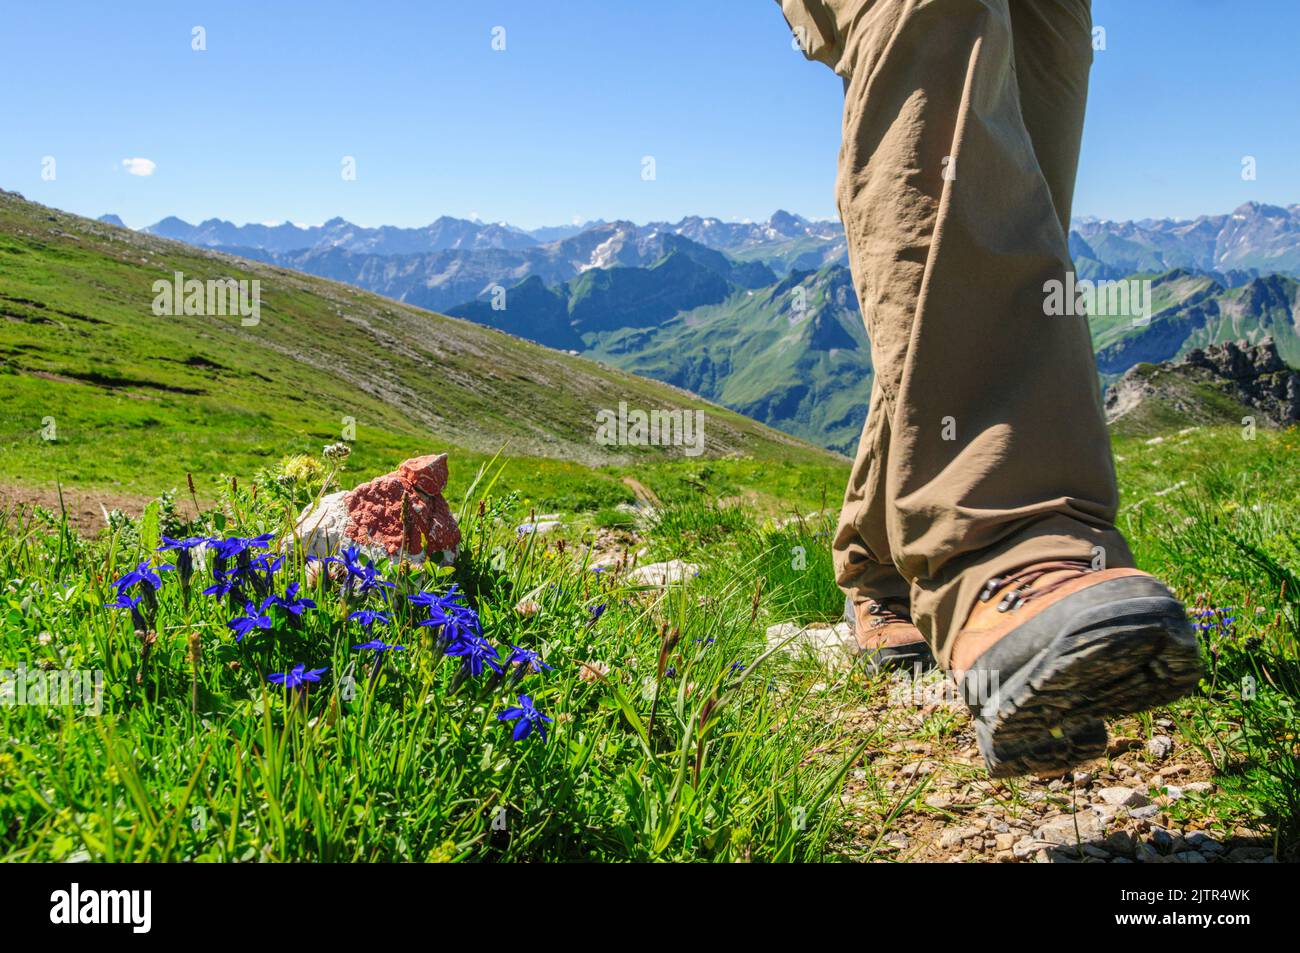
(985, 447)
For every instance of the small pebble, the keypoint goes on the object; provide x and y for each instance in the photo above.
(1160, 747)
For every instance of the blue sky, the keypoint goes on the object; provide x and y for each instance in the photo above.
(555, 127)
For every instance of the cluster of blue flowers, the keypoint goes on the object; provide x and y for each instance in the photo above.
(1215, 618)
(246, 578)
(145, 579)
(460, 635)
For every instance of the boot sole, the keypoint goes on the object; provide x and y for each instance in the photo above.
(1115, 648)
(875, 661)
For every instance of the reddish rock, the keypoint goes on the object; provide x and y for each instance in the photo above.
(375, 517)
(400, 514)
(428, 474)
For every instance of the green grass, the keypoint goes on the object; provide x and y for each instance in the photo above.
(721, 755)
(1216, 516)
(211, 762)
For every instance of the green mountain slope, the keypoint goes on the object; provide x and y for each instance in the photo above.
(136, 399)
(794, 355)
(1191, 310)
(790, 353)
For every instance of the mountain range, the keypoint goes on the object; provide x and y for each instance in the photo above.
(1254, 239)
(762, 317)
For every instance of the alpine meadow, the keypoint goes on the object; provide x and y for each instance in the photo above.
(822, 431)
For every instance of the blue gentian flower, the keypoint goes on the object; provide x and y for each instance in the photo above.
(425, 600)
(456, 620)
(291, 602)
(143, 573)
(238, 548)
(527, 659)
(184, 549)
(297, 677)
(360, 579)
(234, 546)
(349, 559)
(368, 617)
(369, 580)
(526, 717)
(181, 545)
(595, 612)
(226, 583)
(251, 619)
(124, 601)
(453, 598)
(475, 652)
(1215, 618)
(267, 567)
(379, 645)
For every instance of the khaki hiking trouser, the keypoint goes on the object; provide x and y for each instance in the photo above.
(985, 448)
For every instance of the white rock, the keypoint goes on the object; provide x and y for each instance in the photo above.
(1061, 830)
(1160, 746)
(1026, 847)
(953, 836)
(832, 646)
(321, 529)
(540, 527)
(1123, 797)
(607, 560)
(1108, 812)
(920, 689)
(663, 574)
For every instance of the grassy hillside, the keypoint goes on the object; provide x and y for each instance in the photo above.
(136, 400)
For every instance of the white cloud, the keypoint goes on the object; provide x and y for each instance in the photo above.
(140, 166)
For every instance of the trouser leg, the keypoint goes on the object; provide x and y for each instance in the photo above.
(997, 453)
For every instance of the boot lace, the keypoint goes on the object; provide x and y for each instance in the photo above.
(1022, 579)
(886, 614)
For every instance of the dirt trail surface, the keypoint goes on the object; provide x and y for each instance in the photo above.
(85, 508)
(921, 793)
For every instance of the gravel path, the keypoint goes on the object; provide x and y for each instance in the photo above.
(921, 794)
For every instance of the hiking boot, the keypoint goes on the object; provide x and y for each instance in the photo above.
(1053, 648)
(885, 635)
